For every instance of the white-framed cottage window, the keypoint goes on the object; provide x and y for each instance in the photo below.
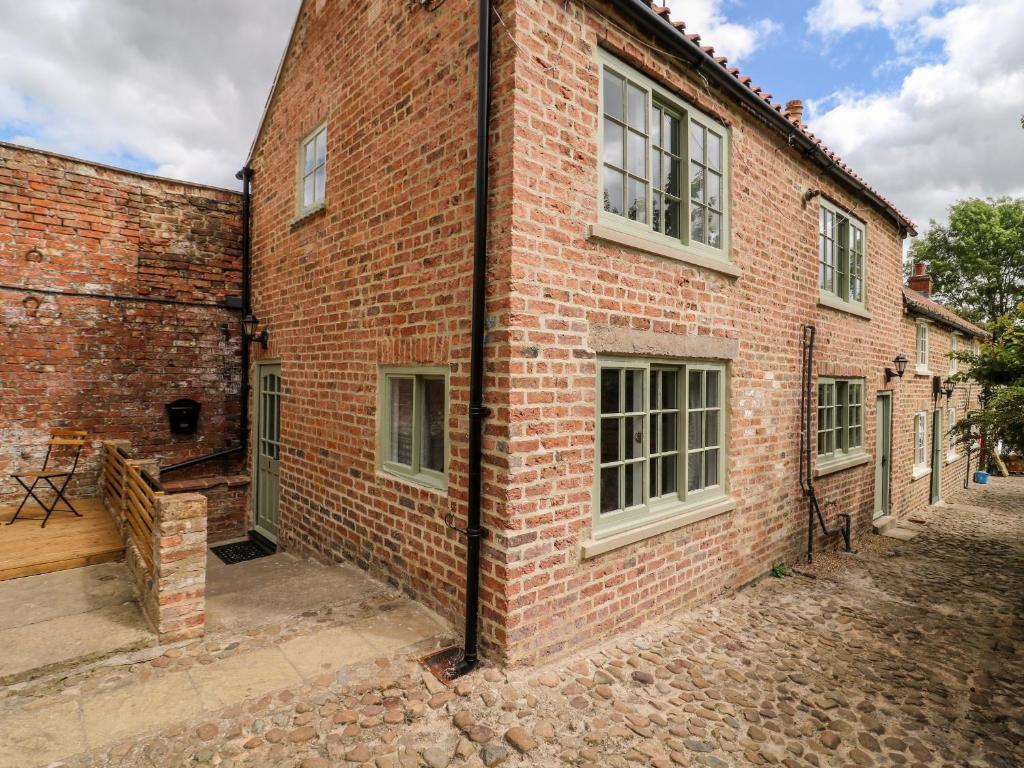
(920, 437)
(840, 418)
(413, 424)
(312, 171)
(663, 164)
(954, 349)
(661, 437)
(841, 249)
(922, 347)
(951, 454)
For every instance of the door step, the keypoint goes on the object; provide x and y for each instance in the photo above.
(883, 523)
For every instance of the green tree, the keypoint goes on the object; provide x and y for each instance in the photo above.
(998, 368)
(977, 260)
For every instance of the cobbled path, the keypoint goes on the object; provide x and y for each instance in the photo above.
(910, 654)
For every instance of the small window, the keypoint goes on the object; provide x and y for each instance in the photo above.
(840, 418)
(660, 440)
(950, 433)
(664, 164)
(840, 255)
(413, 425)
(922, 347)
(954, 350)
(920, 433)
(312, 182)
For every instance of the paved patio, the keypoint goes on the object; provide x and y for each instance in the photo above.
(911, 653)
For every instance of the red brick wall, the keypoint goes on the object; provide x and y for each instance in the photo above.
(110, 366)
(380, 276)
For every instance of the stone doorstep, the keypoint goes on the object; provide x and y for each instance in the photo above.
(883, 523)
(902, 534)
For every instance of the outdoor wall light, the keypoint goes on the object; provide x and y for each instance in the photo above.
(900, 361)
(948, 387)
(249, 323)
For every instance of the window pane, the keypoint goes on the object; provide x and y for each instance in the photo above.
(669, 430)
(637, 115)
(696, 182)
(656, 117)
(433, 426)
(610, 440)
(613, 191)
(637, 200)
(711, 467)
(672, 218)
(634, 390)
(696, 390)
(695, 430)
(613, 144)
(635, 484)
(609, 390)
(321, 147)
(613, 94)
(634, 437)
(309, 152)
(670, 176)
(655, 432)
(400, 447)
(610, 489)
(712, 388)
(715, 230)
(318, 188)
(636, 155)
(669, 385)
(670, 133)
(669, 470)
(693, 466)
(714, 190)
(696, 142)
(307, 191)
(711, 428)
(714, 151)
(697, 214)
(656, 220)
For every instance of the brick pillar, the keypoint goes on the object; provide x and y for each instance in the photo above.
(179, 557)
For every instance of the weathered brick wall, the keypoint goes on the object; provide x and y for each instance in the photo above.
(564, 285)
(226, 502)
(380, 276)
(110, 365)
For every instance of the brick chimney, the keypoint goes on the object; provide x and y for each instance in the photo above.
(795, 110)
(920, 281)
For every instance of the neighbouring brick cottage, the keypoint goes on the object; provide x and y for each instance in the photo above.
(115, 288)
(660, 232)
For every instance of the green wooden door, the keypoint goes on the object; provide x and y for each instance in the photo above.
(883, 452)
(268, 449)
(936, 456)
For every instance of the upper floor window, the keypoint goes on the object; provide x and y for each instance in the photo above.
(840, 417)
(664, 165)
(922, 347)
(660, 440)
(840, 255)
(312, 175)
(954, 350)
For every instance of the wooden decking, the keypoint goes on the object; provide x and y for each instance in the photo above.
(66, 541)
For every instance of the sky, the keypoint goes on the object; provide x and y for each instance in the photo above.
(923, 98)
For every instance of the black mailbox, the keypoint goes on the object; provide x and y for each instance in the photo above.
(184, 416)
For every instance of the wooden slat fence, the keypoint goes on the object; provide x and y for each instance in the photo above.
(139, 498)
(112, 480)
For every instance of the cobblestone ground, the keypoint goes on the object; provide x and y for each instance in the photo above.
(910, 654)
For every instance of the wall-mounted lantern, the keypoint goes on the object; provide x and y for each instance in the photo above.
(948, 387)
(900, 361)
(249, 324)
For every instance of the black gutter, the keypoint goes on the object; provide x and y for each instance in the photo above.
(663, 30)
(477, 411)
(243, 410)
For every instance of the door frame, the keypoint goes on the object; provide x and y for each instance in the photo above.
(883, 455)
(254, 448)
(935, 490)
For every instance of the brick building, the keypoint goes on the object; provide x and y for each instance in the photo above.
(644, 335)
(114, 288)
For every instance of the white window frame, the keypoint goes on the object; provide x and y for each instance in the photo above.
(644, 233)
(682, 502)
(840, 294)
(951, 454)
(413, 471)
(922, 466)
(840, 421)
(921, 348)
(954, 350)
(302, 207)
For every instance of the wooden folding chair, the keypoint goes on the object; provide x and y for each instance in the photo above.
(58, 479)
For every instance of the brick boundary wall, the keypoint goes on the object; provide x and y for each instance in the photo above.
(112, 304)
(227, 499)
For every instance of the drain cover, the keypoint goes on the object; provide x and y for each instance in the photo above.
(241, 551)
(442, 663)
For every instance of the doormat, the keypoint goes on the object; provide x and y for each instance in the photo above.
(241, 551)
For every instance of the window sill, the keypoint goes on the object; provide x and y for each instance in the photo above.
(595, 547)
(919, 472)
(923, 370)
(308, 213)
(421, 480)
(833, 302)
(838, 465)
(679, 252)
(952, 458)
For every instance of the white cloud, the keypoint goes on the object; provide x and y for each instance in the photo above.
(952, 129)
(707, 19)
(837, 17)
(179, 85)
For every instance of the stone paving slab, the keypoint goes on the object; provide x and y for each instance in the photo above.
(139, 708)
(316, 654)
(41, 735)
(237, 678)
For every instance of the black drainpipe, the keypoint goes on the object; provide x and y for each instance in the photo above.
(243, 421)
(477, 411)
